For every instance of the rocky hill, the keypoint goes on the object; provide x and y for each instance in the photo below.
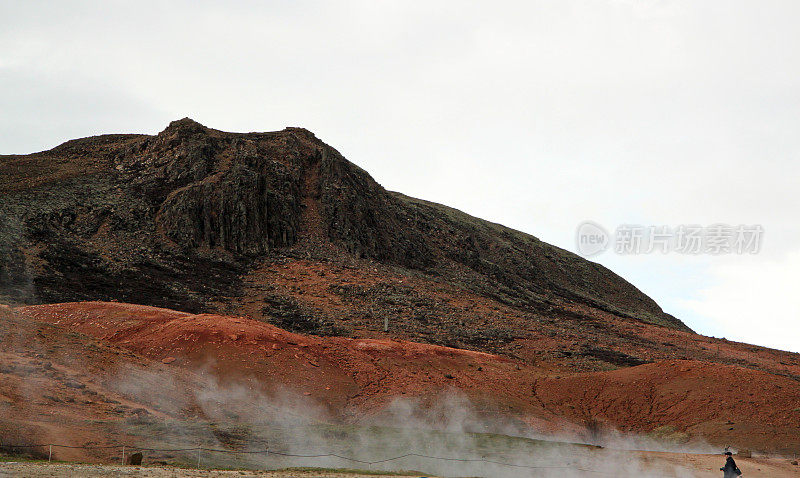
(182, 219)
(286, 267)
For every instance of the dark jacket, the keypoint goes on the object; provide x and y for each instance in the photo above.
(730, 469)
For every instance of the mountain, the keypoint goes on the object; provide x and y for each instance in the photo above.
(201, 220)
(130, 262)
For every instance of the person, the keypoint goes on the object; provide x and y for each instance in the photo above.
(730, 470)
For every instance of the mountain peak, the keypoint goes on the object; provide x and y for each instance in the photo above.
(183, 127)
(301, 131)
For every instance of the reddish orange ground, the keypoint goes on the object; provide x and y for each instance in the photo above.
(553, 345)
(355, 378)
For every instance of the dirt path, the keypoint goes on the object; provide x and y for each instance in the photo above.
(707, 466)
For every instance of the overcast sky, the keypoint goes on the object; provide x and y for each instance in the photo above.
(538, 115)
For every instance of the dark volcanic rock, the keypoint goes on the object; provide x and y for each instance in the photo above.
(178, 219)
(135, 459)
(365, 219)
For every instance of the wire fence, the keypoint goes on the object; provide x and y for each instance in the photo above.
(200, 449)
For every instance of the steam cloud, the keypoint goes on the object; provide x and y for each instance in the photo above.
(241, 416)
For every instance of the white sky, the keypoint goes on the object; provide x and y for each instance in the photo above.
(534, 114)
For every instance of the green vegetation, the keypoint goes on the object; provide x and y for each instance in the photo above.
(669, 434)
(351, 471)
(306, 437)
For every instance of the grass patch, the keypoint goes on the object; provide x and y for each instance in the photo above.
(351, 471)
(26, 457)
(668, 433)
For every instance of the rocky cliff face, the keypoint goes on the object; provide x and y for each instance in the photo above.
(180, 219)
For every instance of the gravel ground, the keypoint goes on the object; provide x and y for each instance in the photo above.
(661, 464)
(65, 470)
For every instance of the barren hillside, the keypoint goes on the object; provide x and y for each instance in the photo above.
(166, 287)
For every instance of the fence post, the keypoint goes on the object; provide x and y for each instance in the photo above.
(198, 457)
(50, 454)
(123, 454)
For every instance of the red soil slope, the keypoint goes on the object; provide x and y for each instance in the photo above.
(358, 377)
(342, 372)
